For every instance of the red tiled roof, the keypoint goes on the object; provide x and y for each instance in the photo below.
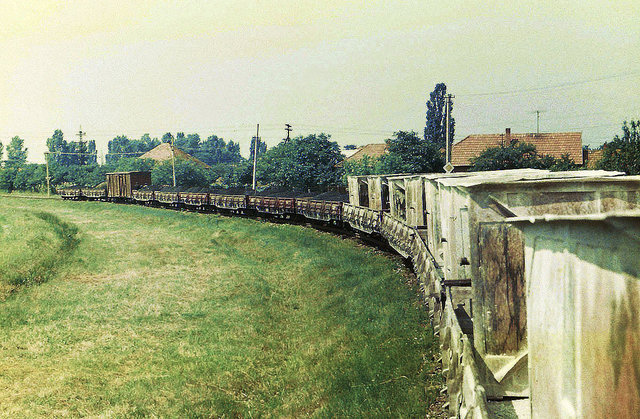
(371, 150)
(553, 144)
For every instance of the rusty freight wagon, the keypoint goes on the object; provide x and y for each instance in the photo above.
(93, 194)
(73, 193)
(321, 210)
(120, 185)
(583, 309)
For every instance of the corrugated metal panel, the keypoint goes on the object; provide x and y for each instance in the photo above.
(583, 290)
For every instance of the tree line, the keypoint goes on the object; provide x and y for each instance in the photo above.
(311, 162)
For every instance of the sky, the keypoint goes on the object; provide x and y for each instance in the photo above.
(358, 70)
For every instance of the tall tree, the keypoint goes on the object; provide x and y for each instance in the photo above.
(262, 148)
(435, 130)
(57, 145)
(1, 151)
(408, 153)
(16, 153)
(623, 153)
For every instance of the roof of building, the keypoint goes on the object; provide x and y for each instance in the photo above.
(163, 153)
(371, 150)
(553, 144)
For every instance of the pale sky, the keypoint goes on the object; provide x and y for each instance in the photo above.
(358, 70)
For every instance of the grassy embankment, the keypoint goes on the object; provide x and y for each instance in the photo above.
(154, 312)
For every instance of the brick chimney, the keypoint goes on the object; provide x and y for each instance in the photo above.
(507, 136)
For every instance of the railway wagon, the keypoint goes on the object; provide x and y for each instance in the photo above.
(120, 185)
(583, 309)
(483, 252)
(370, 191)
(272, 204)
(230, 203)
(144, 196)
(94, 194)
(198, 200)
(72, 193)
(171, 197)
(329, 211)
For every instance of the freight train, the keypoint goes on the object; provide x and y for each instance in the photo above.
(531, 277)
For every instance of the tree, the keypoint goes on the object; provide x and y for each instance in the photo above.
(1, 151)
(262, 148)
(365, 166)
(57, 145)
(435, 129)
(16, 153)
(408, 153)
(122, 147)
(516, 155)
(350, 147)
(623, 153)
(188, 174)
(308, 163)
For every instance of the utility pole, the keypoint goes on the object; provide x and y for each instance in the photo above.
(173, 162)
(81, 134)
(288, 129)
(447, 105)
(256, 143)
(46, 160)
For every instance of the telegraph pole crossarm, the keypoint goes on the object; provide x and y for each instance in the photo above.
(288, 129)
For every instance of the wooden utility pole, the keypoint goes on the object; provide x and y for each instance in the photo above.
(447, 106)
(288, 129)
(173, 162)
(256, 143)
(81, 134)
(46, 160)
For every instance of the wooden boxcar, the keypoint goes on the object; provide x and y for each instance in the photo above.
(122, 184)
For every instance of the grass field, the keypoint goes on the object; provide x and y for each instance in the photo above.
(123, 311)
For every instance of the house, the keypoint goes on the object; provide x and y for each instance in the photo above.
(373, 151)
(163, 153)
(554, 144)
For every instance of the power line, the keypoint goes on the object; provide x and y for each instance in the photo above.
(553, 86)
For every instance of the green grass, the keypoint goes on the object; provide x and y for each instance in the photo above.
(152, 312)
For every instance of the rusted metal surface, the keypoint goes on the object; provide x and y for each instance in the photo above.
(272, 205)
(141, 195)
(319, 210)
(491, 256)
(169, 197)
(399, 235)
(361, 218)
(70, 193)
(94, 193)
(467, 396)
(583, 289)
(195, 199)
(229, 202)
